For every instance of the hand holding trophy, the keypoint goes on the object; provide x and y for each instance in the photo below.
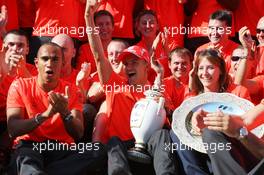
(148, 115)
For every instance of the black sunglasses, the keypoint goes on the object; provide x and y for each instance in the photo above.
(260, 30)
(235, 58)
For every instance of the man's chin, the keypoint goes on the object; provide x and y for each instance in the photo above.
(261, 43)
(132, 81)
(215, 42)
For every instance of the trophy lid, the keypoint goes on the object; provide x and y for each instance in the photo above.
(210, 102)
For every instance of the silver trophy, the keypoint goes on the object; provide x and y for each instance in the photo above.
(209, 102)
(147, 116)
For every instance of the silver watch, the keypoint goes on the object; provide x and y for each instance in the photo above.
(68, 117)
(243, 132)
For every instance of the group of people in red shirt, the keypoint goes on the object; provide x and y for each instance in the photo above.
(63, 96)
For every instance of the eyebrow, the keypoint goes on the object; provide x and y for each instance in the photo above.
(14, 42)
(43, 57)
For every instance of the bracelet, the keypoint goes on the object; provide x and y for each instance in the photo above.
(36, 118)
(68, 117)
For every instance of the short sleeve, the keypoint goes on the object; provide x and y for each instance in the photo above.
(14, 97)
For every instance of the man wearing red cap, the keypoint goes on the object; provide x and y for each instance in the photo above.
(121, 95)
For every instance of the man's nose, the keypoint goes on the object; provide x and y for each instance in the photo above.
(180, 66)
(148, 24)
(17, 49)
(48, 62)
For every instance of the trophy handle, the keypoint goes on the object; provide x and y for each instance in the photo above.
(160, 106)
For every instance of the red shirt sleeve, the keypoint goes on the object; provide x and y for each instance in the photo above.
(14, 99)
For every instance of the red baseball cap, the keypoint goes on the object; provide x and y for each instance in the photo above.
(138, 51)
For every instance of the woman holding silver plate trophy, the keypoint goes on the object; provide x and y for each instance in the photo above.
(209, 116)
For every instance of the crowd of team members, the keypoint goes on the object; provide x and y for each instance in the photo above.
(64, 95)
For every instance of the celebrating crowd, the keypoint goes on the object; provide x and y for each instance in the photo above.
(71, 72)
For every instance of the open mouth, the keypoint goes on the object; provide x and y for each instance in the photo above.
(49, 72)
(131, 74)
(148, 30)
(206, 79)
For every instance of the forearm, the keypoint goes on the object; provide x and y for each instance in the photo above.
(25, 125)
(251, 115)
(82, 89)
(254, 145)
(240, 73)
(100, 127)
(74, 127)
(103, 66)
(158, 80)
(94, 40)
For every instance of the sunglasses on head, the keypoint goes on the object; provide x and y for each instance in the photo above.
(260, 30)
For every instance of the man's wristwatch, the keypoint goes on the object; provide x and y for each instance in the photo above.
(37, 118)
(243, 133)
(68, 117)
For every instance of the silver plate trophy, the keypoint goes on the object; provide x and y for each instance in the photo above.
(147, 116)
(210, 102)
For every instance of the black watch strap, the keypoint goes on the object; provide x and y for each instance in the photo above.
(68, 117)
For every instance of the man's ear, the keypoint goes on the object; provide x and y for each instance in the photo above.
(27, 49)
(36, 62)
(169, 64)
(147, 67)
(73, 53)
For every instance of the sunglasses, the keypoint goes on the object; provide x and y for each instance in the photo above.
(235, 58)
(260, 30)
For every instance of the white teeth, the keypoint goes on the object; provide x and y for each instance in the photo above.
(207, 79)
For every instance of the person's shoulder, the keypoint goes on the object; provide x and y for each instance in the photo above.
(32, 69)
(168, 79)
(259, 78)
(172, 82)
(238, 90)
(23, 83)
(64, 83)
(141, 43)
(29, 80)
(260, 47)
(232, 44)
(85, 46)
(114, 77)
(204, 46)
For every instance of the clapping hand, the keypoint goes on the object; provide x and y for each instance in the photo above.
(59, 102)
